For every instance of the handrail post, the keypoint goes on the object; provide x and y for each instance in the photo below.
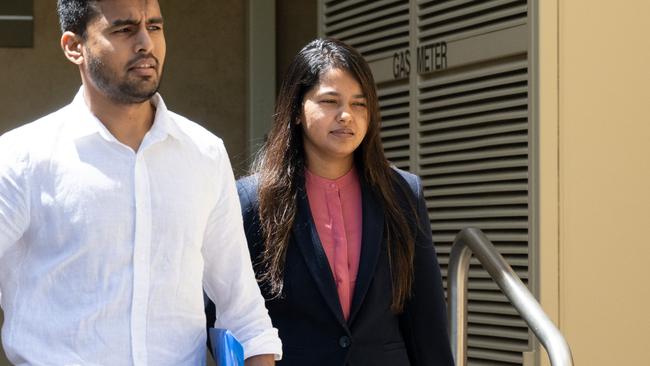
(457, 297)
(473, 240)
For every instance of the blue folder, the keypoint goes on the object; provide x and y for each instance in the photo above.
(226, 349)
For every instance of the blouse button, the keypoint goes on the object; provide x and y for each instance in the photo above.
(344, 342)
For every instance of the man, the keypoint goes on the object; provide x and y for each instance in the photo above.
(115, 213)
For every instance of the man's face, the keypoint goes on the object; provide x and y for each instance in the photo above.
(124, 50)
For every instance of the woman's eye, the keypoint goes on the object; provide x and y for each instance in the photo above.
(359, 104)
(328, 101)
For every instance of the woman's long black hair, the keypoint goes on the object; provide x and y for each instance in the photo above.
(281, 165)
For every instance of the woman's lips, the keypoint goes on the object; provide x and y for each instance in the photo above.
(343, 132)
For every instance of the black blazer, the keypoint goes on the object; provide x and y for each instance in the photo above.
(308, 315)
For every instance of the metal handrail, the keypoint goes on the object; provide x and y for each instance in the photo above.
(473, 240)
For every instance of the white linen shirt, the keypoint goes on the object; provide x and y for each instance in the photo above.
(104, 251)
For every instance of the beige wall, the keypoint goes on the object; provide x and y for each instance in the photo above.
(35, 81)
(545, 57)
(595, 177)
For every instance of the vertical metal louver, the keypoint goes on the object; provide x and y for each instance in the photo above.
(474, 154)
(465, 18)
(375, 28)
(459, 116)
(378, 29)
(473, 159)
(395, 126)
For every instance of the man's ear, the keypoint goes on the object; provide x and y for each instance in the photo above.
(71, 44)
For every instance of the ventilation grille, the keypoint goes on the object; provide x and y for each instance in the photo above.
(467, 136)
(395, 124)
(473, 159)
(458, 19)
(374, 28)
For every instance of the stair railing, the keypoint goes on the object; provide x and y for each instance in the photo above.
(471, 240)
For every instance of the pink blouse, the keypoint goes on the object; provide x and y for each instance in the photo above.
(336, 208)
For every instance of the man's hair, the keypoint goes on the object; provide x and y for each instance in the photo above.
(74, 15)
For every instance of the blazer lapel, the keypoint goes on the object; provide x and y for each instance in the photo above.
(372, 233)
(312, 250)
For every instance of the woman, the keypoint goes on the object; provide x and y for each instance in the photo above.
(340, 241)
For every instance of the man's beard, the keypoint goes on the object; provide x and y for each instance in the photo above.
(127, 91)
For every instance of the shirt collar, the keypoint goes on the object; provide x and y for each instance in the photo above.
(83, 122)
(347, 179)
(163, 124)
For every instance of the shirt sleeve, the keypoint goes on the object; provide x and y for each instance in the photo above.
(229, 279)
(14, 195)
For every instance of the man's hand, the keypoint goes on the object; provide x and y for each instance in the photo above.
(260, 360)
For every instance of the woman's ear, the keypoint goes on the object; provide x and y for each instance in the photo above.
(72, 44)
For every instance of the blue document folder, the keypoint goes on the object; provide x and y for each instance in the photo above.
(226, 349)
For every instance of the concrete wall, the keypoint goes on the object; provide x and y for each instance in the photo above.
(35, 81)
(296, 22)
(595, 152)
(205, 76)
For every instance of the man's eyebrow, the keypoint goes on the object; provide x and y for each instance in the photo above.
(156, 20)
(121, 22)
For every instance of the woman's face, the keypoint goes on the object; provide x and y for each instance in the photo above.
(334, 120)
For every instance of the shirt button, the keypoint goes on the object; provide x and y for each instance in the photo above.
(344, 342)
